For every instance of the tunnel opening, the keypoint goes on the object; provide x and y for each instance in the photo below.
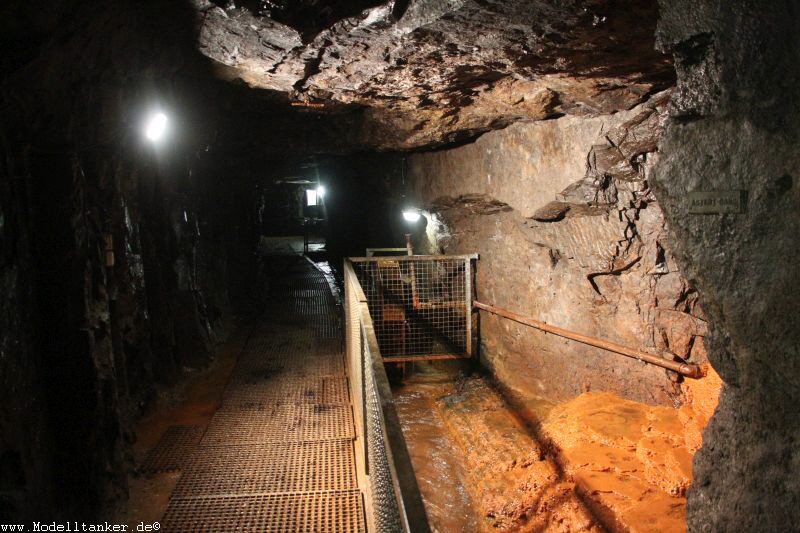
(399, 266)
(292, 211)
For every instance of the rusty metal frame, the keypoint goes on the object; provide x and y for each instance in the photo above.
(416, 304)
(426, 357)
(371, 251)
(412, 257)
(468, 301)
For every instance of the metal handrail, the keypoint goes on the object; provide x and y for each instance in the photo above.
(687, 369)
(410, 258)
(404, 483)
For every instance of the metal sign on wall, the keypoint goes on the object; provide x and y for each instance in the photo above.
(716, 202)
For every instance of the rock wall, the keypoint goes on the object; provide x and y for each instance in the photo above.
(569, 232)
(26, 445)
(733, 126)
(121, 263)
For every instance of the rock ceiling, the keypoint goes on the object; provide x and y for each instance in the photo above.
(422, 73)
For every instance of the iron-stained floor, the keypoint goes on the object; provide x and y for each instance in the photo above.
(278, 455)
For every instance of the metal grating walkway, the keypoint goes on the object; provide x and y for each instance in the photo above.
(278, 456)
(173, 451)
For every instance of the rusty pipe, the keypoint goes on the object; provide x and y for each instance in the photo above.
(414, 296)
(687, 369)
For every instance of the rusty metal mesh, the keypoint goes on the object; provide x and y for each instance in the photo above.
(262, 468)
(336, 512)
(419, 307)
(385, 510)
(287, 390)
(279, 423)
(172, 450)
(393, 503)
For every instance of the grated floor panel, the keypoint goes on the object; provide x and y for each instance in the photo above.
(278, 456)
(280, 423)
(172, 450)
(283, 467)
(340, 512)
(287, 390)
(307, 365)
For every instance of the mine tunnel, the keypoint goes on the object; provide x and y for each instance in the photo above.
(399, 266)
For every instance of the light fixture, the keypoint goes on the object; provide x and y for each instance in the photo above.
(321, 192)
(156, 126)
(311, 197)
(411, 215)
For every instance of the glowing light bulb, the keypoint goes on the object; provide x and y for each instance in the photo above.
(311, 197)
(321, 191)
(156, 125)
(411, 215)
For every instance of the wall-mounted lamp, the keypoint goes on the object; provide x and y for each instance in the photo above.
(156, 126)
(321, 192)
(411, 215)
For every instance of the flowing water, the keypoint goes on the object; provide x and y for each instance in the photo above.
(435, 458)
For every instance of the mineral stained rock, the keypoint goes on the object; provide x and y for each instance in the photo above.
(569, 232)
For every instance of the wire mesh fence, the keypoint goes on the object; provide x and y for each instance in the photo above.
(393, 503)
(420, 305)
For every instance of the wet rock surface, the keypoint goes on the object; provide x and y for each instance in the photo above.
(631, 462)
(441, 475)
(512, 481)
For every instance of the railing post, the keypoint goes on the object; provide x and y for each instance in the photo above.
(468, 302)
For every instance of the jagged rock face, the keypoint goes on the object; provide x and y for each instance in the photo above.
(117, 283)
(427, 72)
(733, 126)
(569, 232)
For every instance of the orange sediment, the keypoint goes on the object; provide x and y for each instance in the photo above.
(596, 462)
(629, 460)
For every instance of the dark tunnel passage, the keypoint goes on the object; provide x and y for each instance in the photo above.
(399, 266)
